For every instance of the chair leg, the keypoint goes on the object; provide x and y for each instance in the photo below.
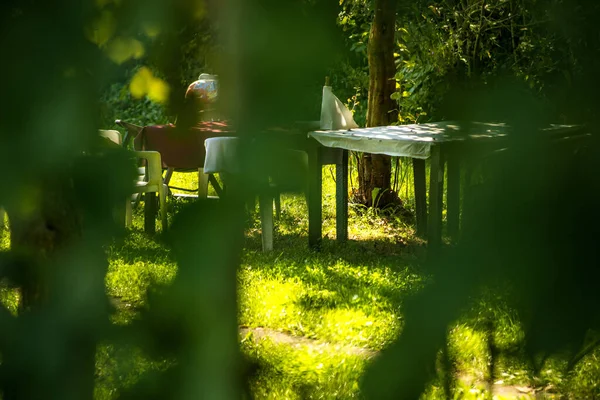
(202, 184)
(266, 221)
(128, 213)
(168, 176)
(163, 208)
(277, 205)
(150, 212)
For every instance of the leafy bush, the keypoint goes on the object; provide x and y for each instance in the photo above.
(117, 103)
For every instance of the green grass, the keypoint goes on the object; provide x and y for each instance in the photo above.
(335, 308)
(287, 372)
(135, 265)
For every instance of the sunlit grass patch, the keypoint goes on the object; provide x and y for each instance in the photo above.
(303, 371)
(469, 352)
(136, 265)
(584, 380)
(341, 305)
(323, 297)
(4, 233)
(9, 298)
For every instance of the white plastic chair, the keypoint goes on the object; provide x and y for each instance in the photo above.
(150, 178)
(153, 183)
(112, 135)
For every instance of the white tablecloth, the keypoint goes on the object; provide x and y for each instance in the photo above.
(404, 140)
(222, 155)
(416, 140)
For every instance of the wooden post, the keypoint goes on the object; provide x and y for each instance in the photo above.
(420, 196)
(128, 212)
(453, 194)
(150, 212)
(315, 207)
(277, 201)
(341, 192)
(265, 204)
(436, 189)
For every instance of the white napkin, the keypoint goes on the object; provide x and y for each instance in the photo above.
(334, 114)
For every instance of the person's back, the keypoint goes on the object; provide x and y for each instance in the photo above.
(202, 95)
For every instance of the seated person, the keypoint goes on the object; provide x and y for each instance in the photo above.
(202, 95)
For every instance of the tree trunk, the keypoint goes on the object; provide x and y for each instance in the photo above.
(374, 173)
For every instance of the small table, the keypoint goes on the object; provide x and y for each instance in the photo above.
(439, 142)
(223, 157)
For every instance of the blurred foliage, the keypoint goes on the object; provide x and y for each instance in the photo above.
(518, 61)
(68, 183)
(196, 45)
(62, 196)
(118, 103)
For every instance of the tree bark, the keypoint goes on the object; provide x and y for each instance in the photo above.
(374, 173)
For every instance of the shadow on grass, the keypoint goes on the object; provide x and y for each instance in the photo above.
(338, 273)
(388, 269)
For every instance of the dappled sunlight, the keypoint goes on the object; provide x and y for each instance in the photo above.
(304, 370)
(468, 349)
(451, 247)
(137, 265)
(339, 307)
(381, 229)
(293, 306)
(325, 299)
(269, 302)
(354, 327)
(4, 239)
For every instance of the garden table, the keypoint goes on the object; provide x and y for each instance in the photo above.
(179, 148)
(182, 148)
(185, 149)
(223, 157)
(441, 143)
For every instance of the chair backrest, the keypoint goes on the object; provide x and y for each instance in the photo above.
(112, 135)
(153, 166)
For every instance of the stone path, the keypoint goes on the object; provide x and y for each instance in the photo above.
(259, 334)
(500, 391)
